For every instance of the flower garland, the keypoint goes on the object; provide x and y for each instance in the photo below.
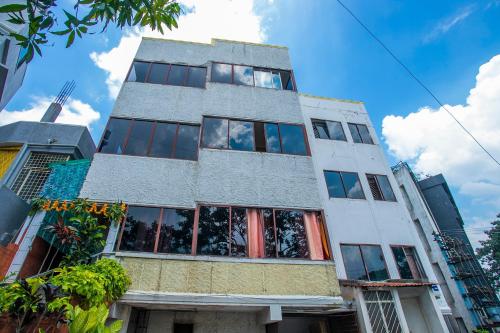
(59, 206)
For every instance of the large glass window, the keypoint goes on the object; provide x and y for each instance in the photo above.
(360, 133)
(197, 77)
(148, 138)
(177, 75)
(343, 185)
(239, 228)
(243, 75)
(222, 73)
(408, 263)
(158, 73)
(267, 79)
(114, 136)
(292, 139)
(139, 232)
(176, 231)
(332, 130)
(364, 262)
(241, 135)
(380, 187)
(215, 133)
(273, 144)
(138, 72)
(213, 229)
(291, 234)
(138, 140)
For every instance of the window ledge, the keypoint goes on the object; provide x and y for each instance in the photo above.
(221, 259)
(253, 152)
(150, 157)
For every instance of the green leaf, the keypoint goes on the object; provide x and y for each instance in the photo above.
(61, 32)
(13, 8)
(71, 39)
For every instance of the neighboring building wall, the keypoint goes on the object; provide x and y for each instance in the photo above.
(7, 156)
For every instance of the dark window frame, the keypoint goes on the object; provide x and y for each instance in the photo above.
(313, 120)
(418, 263)
(374, 175)
(194, 240)
(186, 78)
(340, 172)
(292, 76)
(304, 133)
(359, 245)
(151, 137)
(359, 133)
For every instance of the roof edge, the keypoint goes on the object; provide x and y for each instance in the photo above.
(332, 99)
(215, 40)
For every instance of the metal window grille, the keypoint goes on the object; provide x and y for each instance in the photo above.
(382, 312)
(372, 181)
(34, 173)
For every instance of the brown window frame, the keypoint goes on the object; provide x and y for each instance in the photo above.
(151, 137)
(304, 134)
(359, 245)
(186, 78)
(418, 263)
(254, 68)
(374, 175)
(194, 241)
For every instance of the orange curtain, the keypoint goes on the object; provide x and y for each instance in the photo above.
(314, 240)
(255, 233)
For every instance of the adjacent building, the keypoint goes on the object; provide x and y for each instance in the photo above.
(471, 298)
(11, 75)
(225, 230)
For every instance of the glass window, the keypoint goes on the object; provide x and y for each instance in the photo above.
(409, 265)
(273, 144)
(380, 187)
(163, 140)
(138, 72)
(114, 136)
(365, 134)
(292, 139)
(243, 75)
(291, 234)
(286, 80)
(186, 146)
(177, 75)
(267, 79)
(139, 230)
(353, 262)
(215, 132)
(354, 133)
(238, 232)
(352, 185)
(138, 140)
(213, 231)
(320, 129)
(260, 137)
(176, 231)
(197, 77)
(334, 184)
(269, 235)
(158, 73)
(374, 262)
(241, 136)
(336, 131)
(222, 73)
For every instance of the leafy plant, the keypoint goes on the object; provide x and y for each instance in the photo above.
(41, 18)
(489, 254)
(92, 320)
(116, 280)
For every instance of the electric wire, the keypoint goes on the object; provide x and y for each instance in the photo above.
(417, 80)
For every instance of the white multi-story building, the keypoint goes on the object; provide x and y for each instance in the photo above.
(381, 263)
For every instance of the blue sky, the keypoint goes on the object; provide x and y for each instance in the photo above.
(444, 42)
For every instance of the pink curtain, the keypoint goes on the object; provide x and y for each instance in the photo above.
(313, 231)
(255, 236)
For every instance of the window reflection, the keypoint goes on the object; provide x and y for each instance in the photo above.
(114, 136)
(364, 262)
(334, 184)
(267, 79)
(177, 75)
(163, 140)
(360, 133)
(353, 262)
(176, 231)
(374, 261)
(292, 139)
(269, 235)
(161, 73)
(273, 144)
(215, 133)
(197, 77)
(336, 131)
(158, 73)
(138, 72)
(213, 229)
(140, 228)
(238, 232)
(352, 185)
(343, 185)
(138, 140)
(221, 73)
(243, 75)
(241, 136)
(186, 146)
(291, 235)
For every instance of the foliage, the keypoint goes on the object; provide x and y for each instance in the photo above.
(489, 254)
(116, 280)
(92, 320)
(41, 18)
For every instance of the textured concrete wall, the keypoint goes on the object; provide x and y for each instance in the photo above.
(206, 322)
(188, 276)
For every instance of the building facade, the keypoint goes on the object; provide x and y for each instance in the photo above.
(440, 226)
(11, 76)
(225, 231)
(381, 263)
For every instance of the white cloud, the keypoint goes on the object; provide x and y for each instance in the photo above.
(444, 25)
(475, 230)
(73, 112)
(226, 19)
(434, 143)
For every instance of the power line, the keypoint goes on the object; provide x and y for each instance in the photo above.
(417, 80)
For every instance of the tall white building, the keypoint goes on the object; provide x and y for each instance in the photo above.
(381, 263)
